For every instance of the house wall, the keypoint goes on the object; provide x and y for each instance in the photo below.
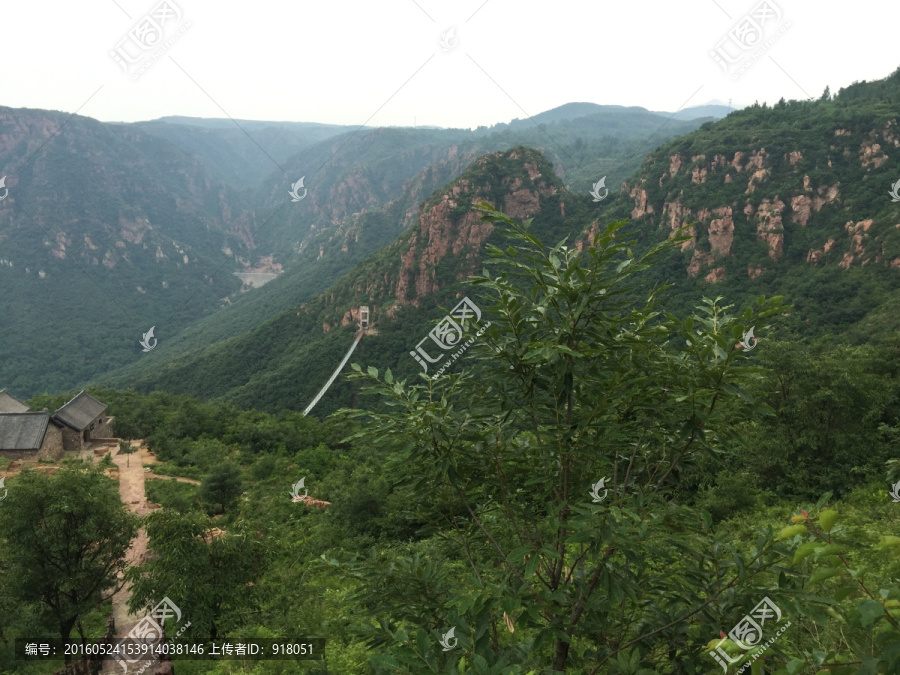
(18, 454)
(101, 429)
(52, 447)
(71, 440)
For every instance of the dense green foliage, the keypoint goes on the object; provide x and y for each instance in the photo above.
(64, 541)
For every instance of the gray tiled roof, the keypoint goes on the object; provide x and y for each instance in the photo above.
(10, 404)
(80, 411)
(23, 431)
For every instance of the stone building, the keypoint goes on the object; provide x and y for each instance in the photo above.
(30, 435)
(83, 419)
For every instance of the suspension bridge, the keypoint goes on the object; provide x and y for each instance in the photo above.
(363, 329)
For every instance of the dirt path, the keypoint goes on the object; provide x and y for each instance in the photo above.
(131, 490)
(149, 475)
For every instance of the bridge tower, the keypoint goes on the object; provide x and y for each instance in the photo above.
(364, 317)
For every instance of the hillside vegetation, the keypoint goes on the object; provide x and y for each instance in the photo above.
(475, 503)
(140, 225)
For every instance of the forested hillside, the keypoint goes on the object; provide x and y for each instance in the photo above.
(799, 207)
(281, 363)
(143, 225)
(105, 232)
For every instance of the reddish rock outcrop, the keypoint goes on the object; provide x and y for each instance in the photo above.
(716, 275)
(674, 165)
(802, 206)
(698, 260)
(676, 215)
(443, 231)
(858, 234)
(641, 207)
(769, 227)
(871, 154)
(721, 232)
(816, 254)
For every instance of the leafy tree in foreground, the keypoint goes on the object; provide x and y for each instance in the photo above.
(555, 471)
(204, 573)
(64, 541)
(857, 584)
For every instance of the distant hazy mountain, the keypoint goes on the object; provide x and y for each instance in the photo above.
(572, 111)
(712, 110)
(241, 156)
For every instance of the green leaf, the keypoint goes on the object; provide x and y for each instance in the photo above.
(823, 500)
(829, 549)
(804, 550)
(827, 519)
(841, 594)
(887, 541)
(790, 531)
(518, 554)
(869, 611)
(822, 575)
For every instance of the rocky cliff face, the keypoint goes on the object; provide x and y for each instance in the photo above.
(446, 242)
(756, 200)
(448, 226)
(107, 195)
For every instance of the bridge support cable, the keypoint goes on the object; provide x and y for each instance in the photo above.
(337, 371)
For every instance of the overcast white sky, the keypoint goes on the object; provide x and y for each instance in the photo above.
(381, 62)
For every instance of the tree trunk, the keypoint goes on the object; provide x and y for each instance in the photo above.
(65, 630)
(562, 654)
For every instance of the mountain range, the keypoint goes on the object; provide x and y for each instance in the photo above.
(792, 199)
(111, 229)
